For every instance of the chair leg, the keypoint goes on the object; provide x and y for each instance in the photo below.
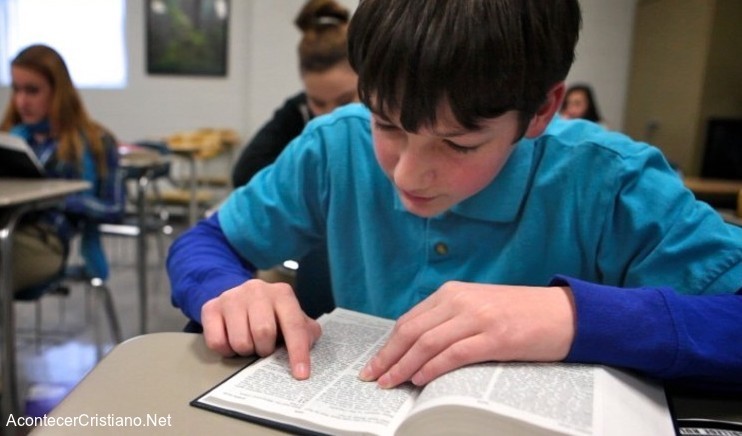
(62, 312)
(93, 318)
(37, 326)
(107, 301)
(88, 303)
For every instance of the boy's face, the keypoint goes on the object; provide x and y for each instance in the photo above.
(439, 166)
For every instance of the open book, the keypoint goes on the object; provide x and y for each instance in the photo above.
(17, 159)
(487, 398)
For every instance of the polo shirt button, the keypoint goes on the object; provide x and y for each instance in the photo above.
(441, 248)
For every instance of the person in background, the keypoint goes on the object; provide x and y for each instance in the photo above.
(328, 80)
(454, 201)
(579, 102)
(46, 110)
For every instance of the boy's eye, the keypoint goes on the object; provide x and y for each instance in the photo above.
(458, 148)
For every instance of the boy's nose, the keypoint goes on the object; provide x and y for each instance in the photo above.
(415, 170)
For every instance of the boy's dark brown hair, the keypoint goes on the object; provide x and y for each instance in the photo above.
(482, 57)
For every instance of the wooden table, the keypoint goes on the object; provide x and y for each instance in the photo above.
(18, 197)
(724, 195)
(190, 153)
(196, 147)
(713, 186)
(717, 192)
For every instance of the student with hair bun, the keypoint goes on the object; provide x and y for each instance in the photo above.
(328, 80)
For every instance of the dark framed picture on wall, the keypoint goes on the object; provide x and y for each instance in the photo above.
(187, 37)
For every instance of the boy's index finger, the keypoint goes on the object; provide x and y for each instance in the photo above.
(299, 337)
(298, 349)
(299, 333)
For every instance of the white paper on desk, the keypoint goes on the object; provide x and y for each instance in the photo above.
(17, 159)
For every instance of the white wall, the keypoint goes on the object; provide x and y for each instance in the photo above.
(157, 105)
(262, 72)
(603, 54)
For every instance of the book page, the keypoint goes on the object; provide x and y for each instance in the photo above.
(540, 398)
(17, 159)
(333, 399)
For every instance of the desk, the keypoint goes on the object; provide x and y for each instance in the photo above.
(158, 373)
(142, 166)
(196, 147)
(189, 152)
(17, 197)
(724, 195)
(718, 193)
(161, 373)
(702, 186)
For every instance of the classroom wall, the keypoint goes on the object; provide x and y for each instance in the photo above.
(602, 55)
(722, 85)
(684, 70)
(665, 86)
(262, 72)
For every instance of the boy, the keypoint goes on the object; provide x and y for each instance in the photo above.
(451, 206)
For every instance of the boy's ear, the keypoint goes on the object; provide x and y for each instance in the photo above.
(546, 112)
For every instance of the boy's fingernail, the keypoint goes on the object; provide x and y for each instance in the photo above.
(385, 381)
(301, 371)
(366, 372)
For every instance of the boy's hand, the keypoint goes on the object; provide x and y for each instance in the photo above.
(464, 323)
(248, 319)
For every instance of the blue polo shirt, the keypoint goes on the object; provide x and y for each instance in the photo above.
(578, 201)
(578, 206)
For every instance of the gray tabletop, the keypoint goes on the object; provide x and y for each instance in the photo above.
(19, 191)
(160, 373)
(157, 375)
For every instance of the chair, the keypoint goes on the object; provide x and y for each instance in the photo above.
(94, 268)
(198, 191)
(144, 163)
(60, 286)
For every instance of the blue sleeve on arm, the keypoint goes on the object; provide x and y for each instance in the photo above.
(201, 265)
(686, 338)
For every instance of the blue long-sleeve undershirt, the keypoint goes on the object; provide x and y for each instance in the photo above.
(202, 265)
